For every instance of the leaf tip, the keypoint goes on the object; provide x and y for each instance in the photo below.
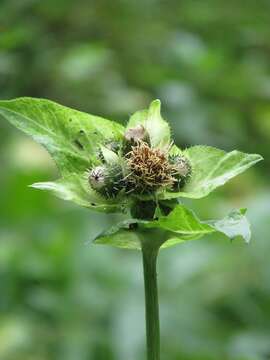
(243, 211)
(260, 157)
(42, 185)
(155, 106)
(256, 158)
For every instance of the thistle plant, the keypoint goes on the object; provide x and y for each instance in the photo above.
(137, 171)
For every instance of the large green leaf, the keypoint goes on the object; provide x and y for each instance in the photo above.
(211, 168)
(71, 137)
(179, 226)
(74, 188)
(156, 126)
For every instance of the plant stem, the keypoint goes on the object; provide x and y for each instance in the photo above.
(151, 302)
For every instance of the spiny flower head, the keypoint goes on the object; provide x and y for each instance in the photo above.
(107, 180)
(149, 168)
(137, 168)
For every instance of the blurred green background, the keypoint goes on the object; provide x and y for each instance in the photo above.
(209, 62)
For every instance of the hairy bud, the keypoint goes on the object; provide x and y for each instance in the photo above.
(133, 136)
(182, 169)
(136, 134)
(96, 177)
(107, 180)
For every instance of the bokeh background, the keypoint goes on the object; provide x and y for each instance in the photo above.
(62, 298)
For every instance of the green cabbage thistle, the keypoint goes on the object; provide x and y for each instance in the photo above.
(137, 170)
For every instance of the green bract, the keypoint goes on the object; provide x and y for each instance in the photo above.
(80, 143)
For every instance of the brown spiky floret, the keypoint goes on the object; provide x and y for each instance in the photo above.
(149, 168)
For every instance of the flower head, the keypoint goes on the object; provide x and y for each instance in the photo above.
(142, 163)
(149, 168)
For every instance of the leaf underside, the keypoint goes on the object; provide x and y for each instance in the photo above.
(72, 138)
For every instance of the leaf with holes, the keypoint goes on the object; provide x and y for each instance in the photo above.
(72, 138)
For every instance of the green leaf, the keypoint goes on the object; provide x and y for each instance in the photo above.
(122, 236)
(109, 155)
(234, 225)
(211, 168)
(71, 137)
(182, 221)
(74, 188)
(179, 226)
(157, 128)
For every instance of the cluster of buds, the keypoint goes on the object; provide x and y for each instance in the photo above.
(137, 168)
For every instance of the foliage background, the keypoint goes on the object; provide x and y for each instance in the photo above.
(60, 297)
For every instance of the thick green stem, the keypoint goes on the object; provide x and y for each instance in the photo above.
(151, 302)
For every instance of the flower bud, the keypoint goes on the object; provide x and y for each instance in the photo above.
(136, 134)
(133, 136)
(182, 168)
(107, 180)
(96, 177)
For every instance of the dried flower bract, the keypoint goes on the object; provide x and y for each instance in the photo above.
(149, 168)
